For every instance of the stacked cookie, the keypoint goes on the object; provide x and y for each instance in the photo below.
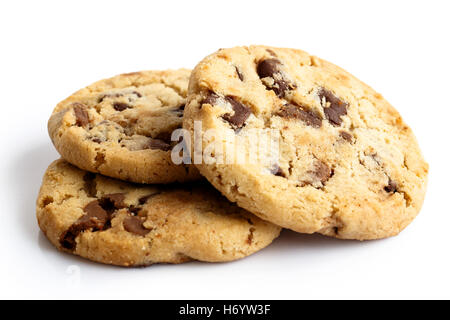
(121, 128)
(212, 164)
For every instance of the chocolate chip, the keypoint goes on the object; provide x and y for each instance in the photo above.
(137, 94)
(90, 186)
(301, 113)
(120, 106)
(117, 95)
(277, 171)
(95, 215)
(391, 187)
(272, 68)
(96, 140)
(268, 68)
(135, 225)
(322, 171)
(81, 114)
(336, 109)
(239, 74)
(95, 218)
(250, 236)
(134, 210)
(110, 95)
(211, 98)
(346, 136)
(113, 201)
(157, 144)
(241, 113)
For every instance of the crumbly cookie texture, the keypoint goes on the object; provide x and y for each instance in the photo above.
(125, 224)
(121, 127)
(348, 165)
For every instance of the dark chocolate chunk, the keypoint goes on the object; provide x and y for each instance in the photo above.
(211, 98)
(117, 95)
(250, 236)
(113, 201)
(134, 210)
(137, 94)
(280, 88)
(268, 68)
(120, 106)
(157, 144)
(299, 112)
(95, 219)
(322, 171)
(110, 95)
(90, 186)
(277, 171)
(81, 114)
(272, 68)
(135, 225)
(240, 115)
(391, 187)
(336, 109)
(346, 136)
(95, 216)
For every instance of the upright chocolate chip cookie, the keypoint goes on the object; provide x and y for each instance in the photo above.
(122, 126)
(344, 163)
(120, 223)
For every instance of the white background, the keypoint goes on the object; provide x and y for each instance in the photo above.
(51, 48)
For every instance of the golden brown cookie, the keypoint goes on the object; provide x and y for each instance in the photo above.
(125, 224)
(121, 127)
(347, 164)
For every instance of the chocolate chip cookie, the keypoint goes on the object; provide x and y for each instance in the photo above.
(121, 127)
(347, 165)
(125, 224)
